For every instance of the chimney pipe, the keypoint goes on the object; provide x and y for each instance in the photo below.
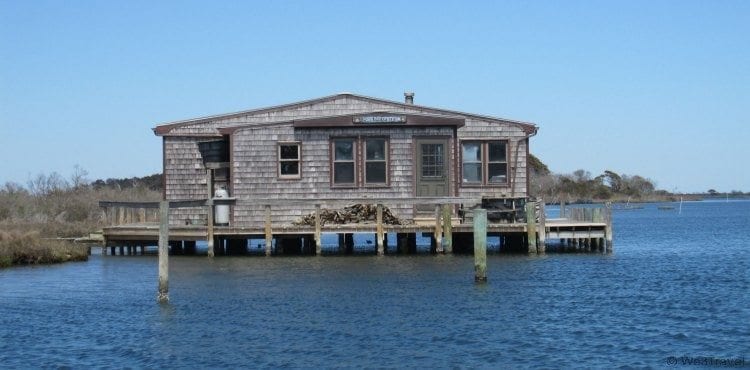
(409, 97)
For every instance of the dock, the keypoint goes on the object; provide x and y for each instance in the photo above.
(134, 226)
(581, 229)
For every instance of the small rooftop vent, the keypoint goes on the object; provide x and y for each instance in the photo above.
(409, 97)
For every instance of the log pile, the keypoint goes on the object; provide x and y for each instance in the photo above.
(355, 214)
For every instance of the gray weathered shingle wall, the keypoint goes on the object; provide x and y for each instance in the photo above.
(255, 172)
(254, 151)
(487, 130)
(185, 178)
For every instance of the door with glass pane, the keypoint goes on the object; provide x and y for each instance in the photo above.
(432, 172)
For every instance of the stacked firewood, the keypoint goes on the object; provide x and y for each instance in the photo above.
(355, 214)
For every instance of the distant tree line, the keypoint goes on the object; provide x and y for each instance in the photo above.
(733, 193)
(582, 186)
(60, 206)
(151, 182)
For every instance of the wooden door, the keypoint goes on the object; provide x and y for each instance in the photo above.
(433, 170)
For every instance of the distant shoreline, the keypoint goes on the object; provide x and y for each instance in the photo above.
(660, 199)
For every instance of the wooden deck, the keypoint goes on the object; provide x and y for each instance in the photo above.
(589, 228)
(149, 231)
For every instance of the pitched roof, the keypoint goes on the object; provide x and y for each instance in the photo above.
(165, 128)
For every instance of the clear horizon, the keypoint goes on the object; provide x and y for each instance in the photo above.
(640, 88)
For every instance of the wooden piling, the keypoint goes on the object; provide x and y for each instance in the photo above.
(318, 248)
(411, 243)
(349, 243)
(608, 228)
(210, 227)
(531, 226)
(438, 230)
(342, 243)
(379, 229)
(268, 232)
(401, 243)
(189, 247)
(448, 228)
(542, 230)
(480, 245)
(163, 295)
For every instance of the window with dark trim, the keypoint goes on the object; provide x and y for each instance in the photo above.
(497, 163)
(360, 162)
(344, 153)
(471, 153)
(484, 162)
(376, 161)
(289, 160)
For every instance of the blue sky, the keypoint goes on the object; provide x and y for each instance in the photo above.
(655, 88)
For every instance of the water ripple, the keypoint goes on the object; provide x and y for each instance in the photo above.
(659, 295)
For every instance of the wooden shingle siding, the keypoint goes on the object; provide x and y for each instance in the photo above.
(185, 178)
(255, 174)
(488, 130)
(254, 157)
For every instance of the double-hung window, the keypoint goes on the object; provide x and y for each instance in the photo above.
(376, 161)
(344, 164)
(472, 162)
(289, 158)
(484, 162)
(497, 163)
(358, 162)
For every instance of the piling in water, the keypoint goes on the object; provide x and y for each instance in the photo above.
(608, 228)
(542, 229)
(480, 245)
(531, 226)
(268, 232)
(438, 235)
(447, 228)
(379, 229)
(163, 252)
(318, 225)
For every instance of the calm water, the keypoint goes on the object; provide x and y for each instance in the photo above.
(677, 285)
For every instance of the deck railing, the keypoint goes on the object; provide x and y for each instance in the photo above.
(590, 213)
(122, 213)
(118, 213)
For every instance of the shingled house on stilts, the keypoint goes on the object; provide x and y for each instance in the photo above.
(261, 173)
